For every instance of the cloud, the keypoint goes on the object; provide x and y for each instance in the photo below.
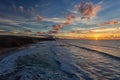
(111, 22)
(57, 27)
(32, 11)
(14, 7)
(78, 30)
(87, 10)
(69, 20)
(36, 5)
(55, 20)
(8, 21)
(39, 18)
(21, 8)
(104, 29)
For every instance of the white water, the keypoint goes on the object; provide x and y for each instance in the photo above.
(33, 63)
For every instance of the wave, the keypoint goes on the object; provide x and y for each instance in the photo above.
(33, 63)
(107, 50)
(64, 58)
(84, 63)
(100, 52)
(101, 45)
(62, 55)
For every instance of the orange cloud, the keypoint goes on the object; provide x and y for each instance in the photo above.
(111, 22)
(39, 18)
(57, 27)
(87, 10)
(69, 19)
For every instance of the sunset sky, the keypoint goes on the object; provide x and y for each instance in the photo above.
(60, 15)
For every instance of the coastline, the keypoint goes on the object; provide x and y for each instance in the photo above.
(11, 43)
(49, 60)
(8, 41)
(36, 61)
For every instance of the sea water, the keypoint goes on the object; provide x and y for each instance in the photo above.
(89, 59)
(76, 59)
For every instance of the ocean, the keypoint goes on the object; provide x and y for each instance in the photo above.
(64, 60)
(90, 59)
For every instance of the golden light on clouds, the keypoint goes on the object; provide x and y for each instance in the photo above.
(90, 36)
(87, 9)
(96, 36)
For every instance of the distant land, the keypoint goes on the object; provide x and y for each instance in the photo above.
(8, 41)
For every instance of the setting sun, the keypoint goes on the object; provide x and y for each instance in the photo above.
(96, 36)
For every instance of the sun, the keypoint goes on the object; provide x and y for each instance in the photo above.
(96, 36)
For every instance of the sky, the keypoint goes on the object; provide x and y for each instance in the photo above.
(59, 15)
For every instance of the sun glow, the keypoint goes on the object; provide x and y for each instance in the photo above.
(96, 36)
(90, 36)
